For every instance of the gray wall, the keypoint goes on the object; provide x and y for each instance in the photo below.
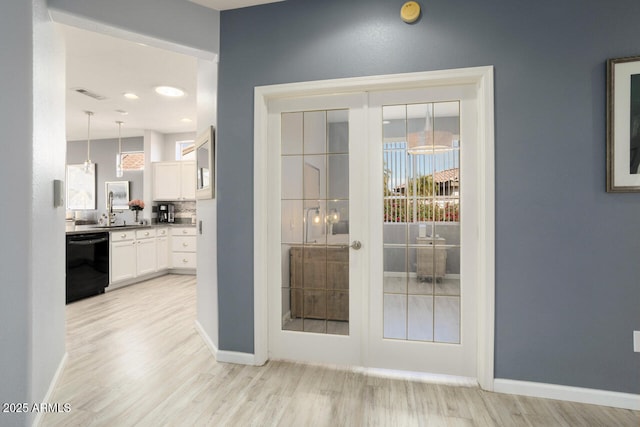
(567, 289)
(103, 154)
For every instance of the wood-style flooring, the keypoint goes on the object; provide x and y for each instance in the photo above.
(135, 359)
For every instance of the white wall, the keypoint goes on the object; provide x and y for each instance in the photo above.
(207, 281)
(32, 258)
(47, 239)
(170, 139)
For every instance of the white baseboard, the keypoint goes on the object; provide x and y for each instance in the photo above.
(571, 394)
(226, 356)
(237, 357)
(426, 377)
(205, 337)
(54, 382)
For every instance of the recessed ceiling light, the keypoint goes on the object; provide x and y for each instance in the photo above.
(173, 92)
(130, 95)
(124, 113)
(186, 120)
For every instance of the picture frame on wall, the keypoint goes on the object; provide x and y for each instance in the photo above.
(81, 187)
(120, 191)
(623, 124)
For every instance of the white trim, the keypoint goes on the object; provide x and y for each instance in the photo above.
(482, 77)
(223, 356)
(452, 380)
(567, 393)
(54, 382)
(238, 358)
(207, 340)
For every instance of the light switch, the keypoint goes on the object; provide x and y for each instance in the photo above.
(636, 341)
(58, 191)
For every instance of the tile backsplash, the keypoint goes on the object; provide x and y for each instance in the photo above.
(184, 211)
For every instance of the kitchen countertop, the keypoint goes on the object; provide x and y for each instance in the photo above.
(72, 228)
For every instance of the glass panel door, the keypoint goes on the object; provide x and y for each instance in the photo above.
(423, 214)
(315, 221)
(316, 159)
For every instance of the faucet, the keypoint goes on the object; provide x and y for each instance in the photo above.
(110, 215)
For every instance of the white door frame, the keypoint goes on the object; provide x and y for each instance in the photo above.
(482, 77)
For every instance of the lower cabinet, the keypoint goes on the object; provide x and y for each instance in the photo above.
(133, 254)
(183, 248)
(122, 258)
(146, 257)
(138, 253)
(162, 248)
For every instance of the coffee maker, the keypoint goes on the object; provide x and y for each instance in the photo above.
(166, 212)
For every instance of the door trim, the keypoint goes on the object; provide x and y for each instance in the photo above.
(482, 77)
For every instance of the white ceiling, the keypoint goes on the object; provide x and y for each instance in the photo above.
(231, 4)
(111, 66)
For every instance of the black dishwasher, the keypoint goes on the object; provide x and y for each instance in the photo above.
(87, 265)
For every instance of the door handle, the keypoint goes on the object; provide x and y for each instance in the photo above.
(356, 244)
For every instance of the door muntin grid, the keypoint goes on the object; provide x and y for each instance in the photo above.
(421, 222)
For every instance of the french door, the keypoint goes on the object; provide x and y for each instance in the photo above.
(317, 210)
(423, 230)
(372, 220)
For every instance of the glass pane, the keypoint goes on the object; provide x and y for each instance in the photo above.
(292, 221)
(420, 313)
(395, 316)
(292, 133)
(315, 132)
(315, 230)
(338, 176)
(447, 319)
(338, 222)
(315, 177)
(394, 233)
(338, 130)
(292, 300)
(292, 177)
(395, 270)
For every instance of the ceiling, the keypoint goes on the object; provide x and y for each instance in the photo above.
(231, 4)
(110, 66)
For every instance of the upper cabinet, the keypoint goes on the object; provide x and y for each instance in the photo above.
(174, 180)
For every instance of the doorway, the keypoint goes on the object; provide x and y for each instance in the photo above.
(374, 342)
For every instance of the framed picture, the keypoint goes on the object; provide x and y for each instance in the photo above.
(623, 124)
(120, 191)
(81, 187)
(205, 148)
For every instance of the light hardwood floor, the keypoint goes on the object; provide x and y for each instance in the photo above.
(135, 359)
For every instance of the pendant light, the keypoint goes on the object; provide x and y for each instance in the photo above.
(88, 163)
(119, 170)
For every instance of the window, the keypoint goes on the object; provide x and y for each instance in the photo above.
(132, 160)
(185, 150)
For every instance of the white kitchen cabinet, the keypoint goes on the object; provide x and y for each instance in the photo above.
(174, 180)
(146, 257)
(136, 254)
(183, 248)
(162, 248)
(122, 257)
(188, 180)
